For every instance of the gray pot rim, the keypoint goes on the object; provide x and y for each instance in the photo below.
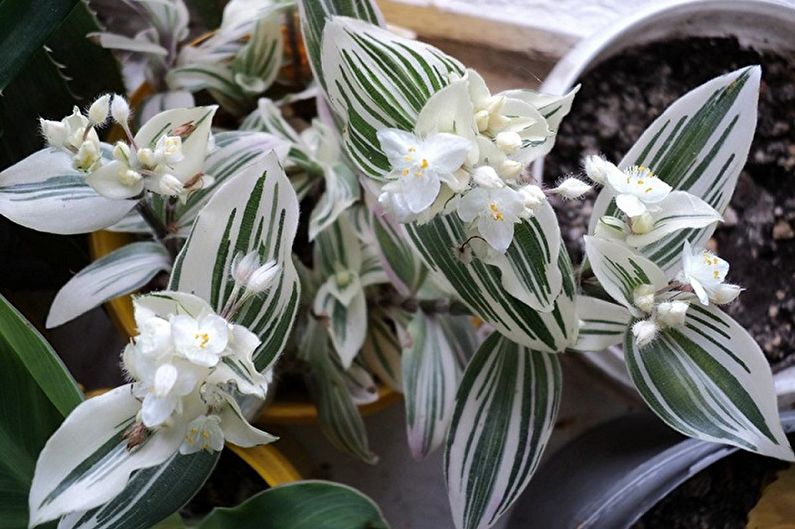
(630, 31)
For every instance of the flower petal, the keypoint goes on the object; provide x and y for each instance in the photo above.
(631, 205)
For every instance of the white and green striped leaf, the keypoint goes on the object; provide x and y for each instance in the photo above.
(258, 62)
(314, 16)
(120, 272)
(678, 211)
(115, 41)
(258, 210)
(151, 495)
(375, 80)
(602, 324)
(620, 270)
(45, 193)
(342, 191)
(710, 380)
(505, 411)
(480, 287)
(381, 352)
(346, 324)
(162, 101)
(338, 415)
(431, 372)
(234, 151)
(86, 462)
(699, 145)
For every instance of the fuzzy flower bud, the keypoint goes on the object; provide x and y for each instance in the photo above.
(508, 141)
(643, 297)
(243, 266)
(596, 168)
(120, 110)
(486, 176)
(644, 331)
(482, 120)
(54, 132)
(510, 169)
(262, 278)
(99, 109)
(87, 156)
(121, 152)
(532, 196)
(672, 313)
(571, 188)
(170, 185)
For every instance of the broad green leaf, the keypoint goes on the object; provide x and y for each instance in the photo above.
(699, 145)
(315, 15)
(480, 287)
(302, 505)
(234, 151)
(431, 372)
(259, 212)
(602, 324)
(37, 392)
(505, 411)
(120, 272)
(86, 463)
(43, 192)
(375, 80)
(50, 67)
(710, 380)
(620, 270)
(166, 488)
(337, 413)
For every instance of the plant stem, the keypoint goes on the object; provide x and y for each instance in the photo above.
(159, 230)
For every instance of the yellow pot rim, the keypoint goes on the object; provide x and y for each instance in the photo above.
(277, 412)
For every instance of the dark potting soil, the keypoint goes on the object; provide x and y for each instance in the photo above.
(719, 497)
(620, 97)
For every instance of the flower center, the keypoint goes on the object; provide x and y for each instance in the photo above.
(496, 214)
(202, 338)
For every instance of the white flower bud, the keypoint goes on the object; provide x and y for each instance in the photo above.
(121, 152)
(643, 297)
(532, 196)
(725, 293)
(571, 188)
(54, 132)
(486, 176)
(99, 109)
(120, 110)
(672, 313)
(482, 120)
(262, 278)
(508, 141)
(343, 278)
(641, 224)
(146, 157)
(596, 168)
(168, 150)
(169, 185)
(87, 156)
(510, 169)
(644, 331)
(129, 177)
(243, 266)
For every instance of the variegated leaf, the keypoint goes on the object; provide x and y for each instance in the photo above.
(86, 461)
(620, 270)
(505, 411)
(315, 14)
(381, 352)
(431, 372)
(375, 80)
(699, 145)
(480, 287)
(259, 212)
(45, 193)
(120, 272)
(337, 414)
(602, 324)
(346, 324)
(162, 101)
(710, 380)
(258, 63)
(342, 190)
(460, 332)
(361, 385)
(234, 151)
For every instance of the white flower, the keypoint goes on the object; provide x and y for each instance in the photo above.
(644, 331)
(672, 313)
(204, 433)
(496, 211)
(571, 188)
(636, 189)
(99, 109)
(706, 272)
(422, 165)
(643, 297)
(202, 341)
(486, 176)
(168, 150)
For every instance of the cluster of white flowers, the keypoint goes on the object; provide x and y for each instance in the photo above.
(474, 169)
(187, 360)
(133, 167)
(703, 274)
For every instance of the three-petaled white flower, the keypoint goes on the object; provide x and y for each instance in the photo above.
(637, 188)
(496, 210)
(419, 167)
(706, 273)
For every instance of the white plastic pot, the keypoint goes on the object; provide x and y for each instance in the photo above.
(761, 24)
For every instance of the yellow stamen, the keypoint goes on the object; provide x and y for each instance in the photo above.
(203, 338)
(405, 172)
(495, 212)
(424, 163)
(648, 190)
